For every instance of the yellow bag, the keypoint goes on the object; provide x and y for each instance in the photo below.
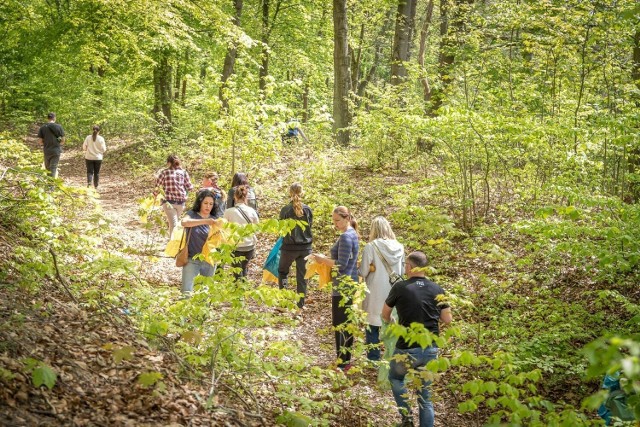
(176, 243)
(323, 270)
(218, 235)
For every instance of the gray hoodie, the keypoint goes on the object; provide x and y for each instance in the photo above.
(378, 280)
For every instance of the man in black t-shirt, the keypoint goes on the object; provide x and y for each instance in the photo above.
(51, 138)
(416, 301)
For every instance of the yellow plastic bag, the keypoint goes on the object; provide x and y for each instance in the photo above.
(176, 243)
(218, 235)
(322, 270)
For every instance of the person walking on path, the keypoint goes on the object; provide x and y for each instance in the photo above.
(176, 184)
(210, 182)
(416, 300)
(344, 256)
(240, 178)
(51, 137)
(94, 147)
(242, 214)
(196, 224)
(296, 245)
(380, 257)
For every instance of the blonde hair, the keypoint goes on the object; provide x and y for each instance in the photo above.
(381, 229)
(295, 191)
(343, 211)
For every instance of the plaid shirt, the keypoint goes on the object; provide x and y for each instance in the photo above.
(175, 183)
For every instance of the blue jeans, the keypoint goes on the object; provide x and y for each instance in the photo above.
(372, 336)
(418, 357)
(192, 269)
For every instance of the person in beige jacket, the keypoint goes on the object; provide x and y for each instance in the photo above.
(94, 148)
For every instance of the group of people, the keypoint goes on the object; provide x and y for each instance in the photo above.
(51, 137)
(416, 299)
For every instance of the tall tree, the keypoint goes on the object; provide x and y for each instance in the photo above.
(230, 57)
(268, 23)
(341, 73)
(405, 22)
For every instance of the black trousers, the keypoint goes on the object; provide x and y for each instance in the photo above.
(344, 340)
(93, 171)
(248, 256)
(287, 257)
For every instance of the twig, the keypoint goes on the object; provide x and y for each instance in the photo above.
(59, 277)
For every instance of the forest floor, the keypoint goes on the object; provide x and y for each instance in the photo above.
(95, 392)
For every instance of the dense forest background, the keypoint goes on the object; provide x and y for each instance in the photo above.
(501, 137)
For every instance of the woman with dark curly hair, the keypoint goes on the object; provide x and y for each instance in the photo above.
(196, 223)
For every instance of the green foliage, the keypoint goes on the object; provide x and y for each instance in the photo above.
(41, 373)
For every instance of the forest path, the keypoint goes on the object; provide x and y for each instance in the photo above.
(119, 195)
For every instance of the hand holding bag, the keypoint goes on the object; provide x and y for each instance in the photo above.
(183, 254)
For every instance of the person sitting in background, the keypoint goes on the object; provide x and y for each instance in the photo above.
(242, 214)
(240, 178)
(210, 182)
(292, 131)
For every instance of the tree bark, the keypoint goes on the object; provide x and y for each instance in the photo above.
(163, 96)
(378, 50)
(405, 22)
(424, 32)
(341, 73)
(230, 58)
(635, 70)
(267, 26)
(445, 58)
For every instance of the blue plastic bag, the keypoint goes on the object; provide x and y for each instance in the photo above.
(272, 262)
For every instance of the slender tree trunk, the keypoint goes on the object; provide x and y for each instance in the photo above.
(230, 58)
(424, 32)
(405, 21)
(445, 58)
(378, 50)
(635, 70)
(305, 103)
(341, 73)
(163, 96)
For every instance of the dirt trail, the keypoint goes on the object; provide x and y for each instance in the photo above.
(119, 195)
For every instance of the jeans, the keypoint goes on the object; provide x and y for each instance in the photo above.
(248, 256)
(93, 171)
(418, 357)
(287, 258)
(173, 211)
(51, 163)
(192, 269)
(344, 340)
(372, 337)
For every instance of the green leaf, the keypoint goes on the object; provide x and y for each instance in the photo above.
(124, 353)
(43, 374)
(147, 379)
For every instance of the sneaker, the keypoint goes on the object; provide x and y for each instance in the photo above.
(406, 422)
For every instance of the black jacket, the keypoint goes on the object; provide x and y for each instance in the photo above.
(298, 239)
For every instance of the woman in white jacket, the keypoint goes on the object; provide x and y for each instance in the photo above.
(94, 147)
(382, 244)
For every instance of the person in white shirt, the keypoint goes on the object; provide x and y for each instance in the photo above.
(94, 148)
(242, 214)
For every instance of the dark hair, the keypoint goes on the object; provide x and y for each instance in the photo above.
(197, 204)
(343, 211)
(417, 259)
(174, 160)
(96, 130)
(239, 178)
(241, 192)
(51, 116)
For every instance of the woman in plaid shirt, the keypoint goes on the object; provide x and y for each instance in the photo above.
(176, 183)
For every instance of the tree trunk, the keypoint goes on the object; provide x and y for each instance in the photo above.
(268, 23)
(445, 58)
(379, 47)
(163, 99)
(635, 70)
(230, 58)
(424, 32)
(405, 21)
(341, 73)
